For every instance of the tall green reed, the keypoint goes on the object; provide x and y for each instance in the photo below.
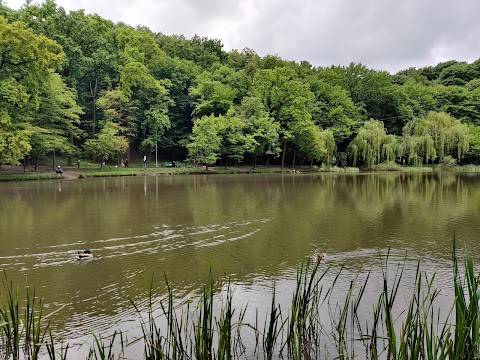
(175, 330)
(21, 326)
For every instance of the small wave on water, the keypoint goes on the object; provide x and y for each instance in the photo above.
(162, 238)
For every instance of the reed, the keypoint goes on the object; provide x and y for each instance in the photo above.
(225, 326)
(21, 325)
(173, 344)
(10, 319)
(53, 353)
(203, 327)
(273, 328)
(103, 348)
(303, 323)
(467, 294)
(152, 339)
(176, 330)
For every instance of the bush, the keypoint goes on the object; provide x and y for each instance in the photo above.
(448, 161)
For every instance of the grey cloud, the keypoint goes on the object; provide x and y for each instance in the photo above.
(387, 34)
(384, 34)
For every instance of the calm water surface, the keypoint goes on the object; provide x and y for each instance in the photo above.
(254, 228)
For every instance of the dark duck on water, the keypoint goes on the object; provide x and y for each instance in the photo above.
(84, 255)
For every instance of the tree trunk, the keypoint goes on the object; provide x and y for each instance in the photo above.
(268, 160)
(303, 160)
(254, 161)
(311, 164)
(294, 158)
(128, 150)
(25, 164)
(36, 164)
(284, 152)
(70, 157)
(54, 159)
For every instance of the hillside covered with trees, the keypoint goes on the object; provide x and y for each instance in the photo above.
(78, 85)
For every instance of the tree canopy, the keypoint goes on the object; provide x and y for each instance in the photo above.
(72, 82)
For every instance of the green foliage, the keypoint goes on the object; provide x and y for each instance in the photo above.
(56, 121)
(211, 96)
(448, 161)
(435, 136)
(372, 144)
(334, 109)
(27, 60)
(474, 148)
(205, 141)
(14, 140)
(108, 142)
(65, 72)
(261, 130)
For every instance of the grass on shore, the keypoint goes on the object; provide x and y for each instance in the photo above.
(29, 176)
(393, 166)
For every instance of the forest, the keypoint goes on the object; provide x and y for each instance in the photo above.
(77, 85)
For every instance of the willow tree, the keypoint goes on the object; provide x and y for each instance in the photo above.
(373, 145)
(434, 136)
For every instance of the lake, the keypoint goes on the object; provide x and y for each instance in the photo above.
(256, 229)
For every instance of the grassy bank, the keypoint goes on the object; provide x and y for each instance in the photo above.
(88, 170)
(112, 171)
(29, 176)
(202, 328)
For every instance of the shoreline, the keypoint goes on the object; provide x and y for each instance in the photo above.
(17, 173)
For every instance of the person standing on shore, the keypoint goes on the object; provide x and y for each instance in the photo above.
(144, 161)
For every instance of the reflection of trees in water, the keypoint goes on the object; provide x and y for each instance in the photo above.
(409, 208)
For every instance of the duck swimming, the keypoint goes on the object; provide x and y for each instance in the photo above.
(321, 256)
(84, 255)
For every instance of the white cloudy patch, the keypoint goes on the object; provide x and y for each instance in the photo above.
(383, 34)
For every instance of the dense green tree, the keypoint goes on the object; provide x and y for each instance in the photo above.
(141, 91)
(316, 145)
(14, 140)
(204, 147)
(334, 109)
(261, 130)
(287, 99)
(457, 74)
(155, 86)
(26, 62)
(202, 50)
(182, 74)
(108, 143)
(211, 96)
(56, 121)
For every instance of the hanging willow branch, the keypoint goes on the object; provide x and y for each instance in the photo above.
(435, 136)
(372, 144)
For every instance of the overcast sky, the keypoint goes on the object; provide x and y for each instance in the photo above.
(382, 34)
